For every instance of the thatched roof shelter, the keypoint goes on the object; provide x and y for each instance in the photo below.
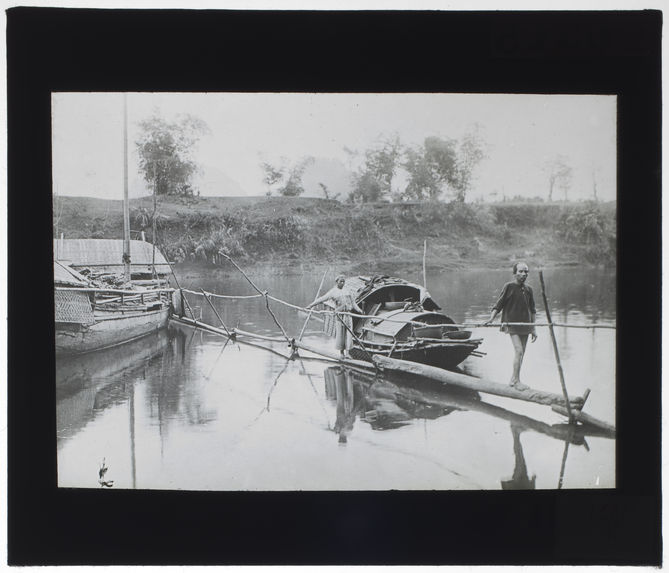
(106, 255)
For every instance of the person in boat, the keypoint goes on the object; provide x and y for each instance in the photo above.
(344, 302)
(516, 302)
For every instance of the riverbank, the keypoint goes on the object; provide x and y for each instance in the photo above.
(297, 234)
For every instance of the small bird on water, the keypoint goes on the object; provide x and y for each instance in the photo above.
(101, 475)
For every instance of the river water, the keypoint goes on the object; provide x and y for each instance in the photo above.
(184, 410)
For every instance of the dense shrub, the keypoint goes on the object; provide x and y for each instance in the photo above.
(525, 215)
(590, 227)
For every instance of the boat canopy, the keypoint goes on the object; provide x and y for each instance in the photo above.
(384, 289)
(381, 327)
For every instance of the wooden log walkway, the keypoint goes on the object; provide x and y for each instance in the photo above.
(585, 419)
(324, 354)
(443, 397)
(477, 384)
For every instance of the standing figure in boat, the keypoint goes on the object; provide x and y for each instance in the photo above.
(516, 301)
(344, 302)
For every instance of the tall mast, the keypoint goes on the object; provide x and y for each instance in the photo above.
(126, 207)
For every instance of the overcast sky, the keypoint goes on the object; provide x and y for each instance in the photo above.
(522, 131)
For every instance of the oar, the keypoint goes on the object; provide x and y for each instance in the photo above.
(317, 295)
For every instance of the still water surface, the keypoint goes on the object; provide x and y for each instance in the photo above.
(184, 410)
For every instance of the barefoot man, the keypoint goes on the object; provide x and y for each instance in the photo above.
(516, 302)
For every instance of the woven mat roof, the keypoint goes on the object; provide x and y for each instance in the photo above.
(91, 252)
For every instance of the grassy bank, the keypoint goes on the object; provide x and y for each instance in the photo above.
(384, 235)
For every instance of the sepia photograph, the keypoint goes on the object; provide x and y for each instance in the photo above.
(333, 287)
(335, 291)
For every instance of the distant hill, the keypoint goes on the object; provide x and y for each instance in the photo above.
(213, 181)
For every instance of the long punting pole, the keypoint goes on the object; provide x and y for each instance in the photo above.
(126, 206)
(206, 297)
(555, 348)
(318, 293)
(424, 265)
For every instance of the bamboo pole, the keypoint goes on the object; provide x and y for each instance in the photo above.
(318, 293)
(563, 465)
(126, 206)
(451, 324)
(555, 347)
(216, 312)
(424, 264)
(291, 342)
(258, 336)
(208, 327)
(359, 364)
(112, 290)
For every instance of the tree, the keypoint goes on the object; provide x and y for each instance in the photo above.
(423, 180)
(431, 167)
(374, 179)
(272, 175)
(559, 175)
(366, 188)
(165, 152)
(383, 161)
(293, 186)
(471, 151)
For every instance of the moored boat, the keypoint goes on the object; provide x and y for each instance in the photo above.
(101, 293)
(90, 317)
(401, 320)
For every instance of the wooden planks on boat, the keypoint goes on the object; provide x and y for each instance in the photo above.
(471, 383)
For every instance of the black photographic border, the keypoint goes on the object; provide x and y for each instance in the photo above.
(52, 49)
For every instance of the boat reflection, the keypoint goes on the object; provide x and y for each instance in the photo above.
(392, 402)
(377, 401)
(89, 383)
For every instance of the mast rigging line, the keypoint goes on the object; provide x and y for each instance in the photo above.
(355, 315)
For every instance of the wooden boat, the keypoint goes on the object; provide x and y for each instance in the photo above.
(89, 318)
(404, 322)
(92, 316)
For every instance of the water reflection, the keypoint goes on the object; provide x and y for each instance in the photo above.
(388, 405)
(90, 383)
(520, 479)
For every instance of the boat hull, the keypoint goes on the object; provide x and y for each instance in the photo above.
(442, 356)
(108, 332)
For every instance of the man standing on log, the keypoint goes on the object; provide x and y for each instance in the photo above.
(344, 301)
(516, 302)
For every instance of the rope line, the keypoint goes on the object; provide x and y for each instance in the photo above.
(413, 322)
